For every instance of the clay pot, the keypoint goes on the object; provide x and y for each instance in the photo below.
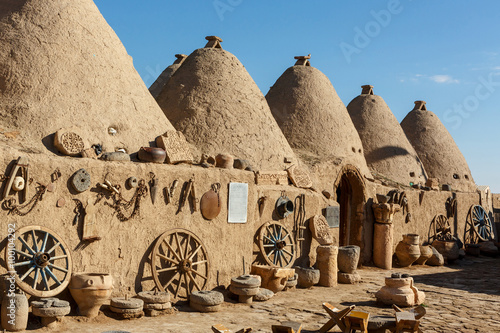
(449, 249)
(224, 161)
(382, 245)
(425, 254)
(408, 250)
(14, 312)
(273, 278)
(307, 277)
(152, 154)
(400, 291)
(90, 291)
(327, 263)
(348, 258)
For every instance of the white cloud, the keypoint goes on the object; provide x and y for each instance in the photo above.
(443, 79)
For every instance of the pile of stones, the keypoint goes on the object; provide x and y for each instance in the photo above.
(156, 303)
(127, 308)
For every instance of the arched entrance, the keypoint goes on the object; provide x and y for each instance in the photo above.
(349, 189)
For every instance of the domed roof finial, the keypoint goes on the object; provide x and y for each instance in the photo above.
(367, 90)
(303, 60)
(420, 105)
(213, 42)
(180, 58)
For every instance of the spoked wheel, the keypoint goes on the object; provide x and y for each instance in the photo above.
(180, 263)
(276, 245)
(41, 261)
(478, 227)
(440, 229)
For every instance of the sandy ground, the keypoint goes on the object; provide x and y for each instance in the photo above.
(463, 297)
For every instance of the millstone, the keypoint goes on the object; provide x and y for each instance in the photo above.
(205, 308)
(80, 180)
(207, 297)
(125, 311)
(154, 297)
(131, 303)
(246, 281)
(263, 295)
(157, 306)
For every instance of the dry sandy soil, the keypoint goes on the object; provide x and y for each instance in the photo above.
(463, 297)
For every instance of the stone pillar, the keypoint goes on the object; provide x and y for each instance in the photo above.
(327, 265)
(382, 245)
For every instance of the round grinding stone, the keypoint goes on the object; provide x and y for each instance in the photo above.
(80, 180)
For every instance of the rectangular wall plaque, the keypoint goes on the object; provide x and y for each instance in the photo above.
(332, 215)
(238, 202)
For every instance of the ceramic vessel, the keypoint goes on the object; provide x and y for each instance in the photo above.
(90, 291)
(152, 154)
(408, 250)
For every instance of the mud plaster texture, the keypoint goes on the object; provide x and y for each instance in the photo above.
(157, 86)
(386, 148)
(62, 65)
(314, 119)
(438, 151)
(213, 100)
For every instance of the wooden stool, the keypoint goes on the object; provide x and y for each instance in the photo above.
(287, 327)
(406, 322)
(337, 317)
(357, 320)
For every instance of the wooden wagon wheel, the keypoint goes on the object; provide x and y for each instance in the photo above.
(440, 229)
(180, 263)
(276, 245)
(478, 226)
(41, 261)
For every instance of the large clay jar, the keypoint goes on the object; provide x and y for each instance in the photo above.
(327, 264)
(348, 258)
(90, 291)
(14, 312)
(425, 254)
(382, 245)
(449, 249)
(307, 276)
(273, 278)
(408, 250)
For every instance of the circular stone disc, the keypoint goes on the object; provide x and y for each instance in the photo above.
(80, 180)
(210, 205)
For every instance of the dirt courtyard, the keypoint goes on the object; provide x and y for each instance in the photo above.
(463, 297)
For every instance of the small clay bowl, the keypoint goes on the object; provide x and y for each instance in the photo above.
(152, 154)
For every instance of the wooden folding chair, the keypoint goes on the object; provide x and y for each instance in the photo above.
(418, 312)
(406, 322)
(357, 321)
(337, 317)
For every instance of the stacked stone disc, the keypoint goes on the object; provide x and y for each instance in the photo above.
(206, 300)
(245, 286)
(127, 308)
(348, 258)
(51, 310)
(155, 302)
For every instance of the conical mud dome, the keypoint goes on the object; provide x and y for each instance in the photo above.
(313, 118)
(387, 150)
(162, 80)
(216, 104)
(436, 148)
(62, 65)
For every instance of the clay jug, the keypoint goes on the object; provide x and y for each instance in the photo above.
(152, 154)
(408, 250)
(14, 312)
(425, 254)
(90, 291)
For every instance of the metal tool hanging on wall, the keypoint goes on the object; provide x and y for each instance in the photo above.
(185, 194)
(18, 180)
(299, 218)
(284, 206)
(171, 191)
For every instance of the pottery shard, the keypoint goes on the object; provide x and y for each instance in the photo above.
(263, 295)
(69, 142)
(154, 297)
(271, 178)
(321, 230)
(176, 147)
(299, 177)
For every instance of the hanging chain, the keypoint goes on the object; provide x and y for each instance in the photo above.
(10, 204)
(121, 204)
(78, 211)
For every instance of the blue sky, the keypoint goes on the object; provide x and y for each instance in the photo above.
(444, 52)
